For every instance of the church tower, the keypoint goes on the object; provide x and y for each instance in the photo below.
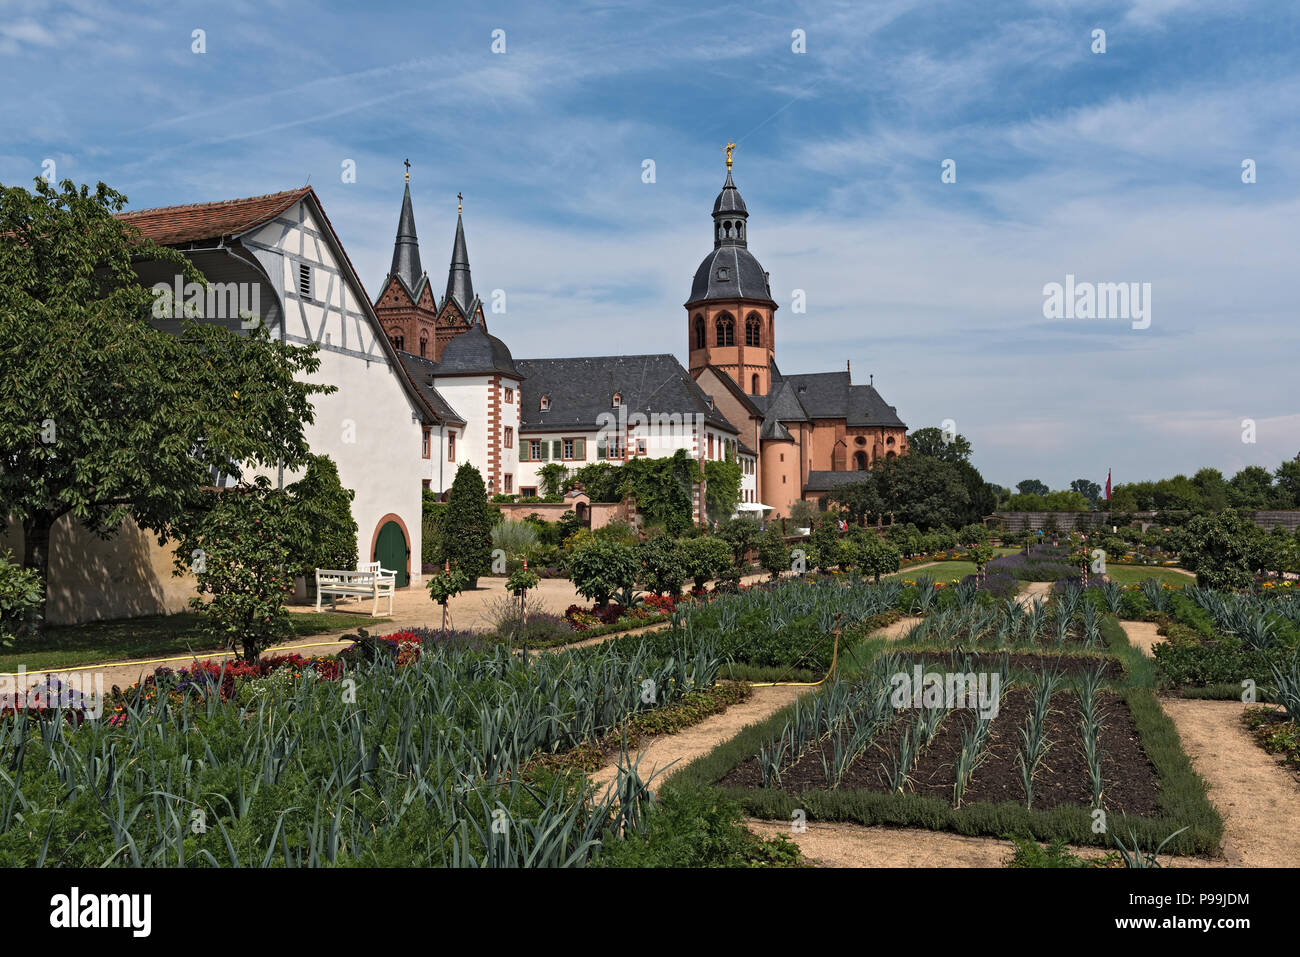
(730, 315)
(459, 308)
(406, 305)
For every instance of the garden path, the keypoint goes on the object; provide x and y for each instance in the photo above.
(412, 608)
(1256, 795)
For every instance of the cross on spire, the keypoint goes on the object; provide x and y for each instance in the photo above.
(460, 201)
(407, 164)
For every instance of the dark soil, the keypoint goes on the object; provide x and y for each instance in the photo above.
(1022, 662)
(1131, 783)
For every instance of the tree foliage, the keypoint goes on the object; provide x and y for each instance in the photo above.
(936, 444)
(600, 566)
(663, 566)
(721, 488)
(238, 547)
(705, 558)
(102, 415)
(324, 533)
(467, 525)
(21, 598)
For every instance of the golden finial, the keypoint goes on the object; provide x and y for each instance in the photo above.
(729, 147)
(460, 200)
(407, 163)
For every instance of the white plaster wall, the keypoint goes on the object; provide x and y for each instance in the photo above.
(468, 395)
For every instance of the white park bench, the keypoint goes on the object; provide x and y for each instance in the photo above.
(370, 580)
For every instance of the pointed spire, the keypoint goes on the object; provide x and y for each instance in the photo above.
(459, 285)
(729, 213)
(406, 248)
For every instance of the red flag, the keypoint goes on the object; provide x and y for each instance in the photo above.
(1108, 485)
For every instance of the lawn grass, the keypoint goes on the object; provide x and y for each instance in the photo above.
(939, 572)
(151, 636)
(1136, 574)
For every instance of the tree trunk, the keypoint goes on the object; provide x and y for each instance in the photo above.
(36, 555)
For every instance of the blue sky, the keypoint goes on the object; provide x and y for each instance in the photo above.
(1123, 166)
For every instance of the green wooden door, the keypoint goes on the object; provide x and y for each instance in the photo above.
(391, 551)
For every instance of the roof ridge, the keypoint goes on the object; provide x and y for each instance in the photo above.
(297, 191)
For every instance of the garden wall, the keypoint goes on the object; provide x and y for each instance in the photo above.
(1068, 521)
(93, 578)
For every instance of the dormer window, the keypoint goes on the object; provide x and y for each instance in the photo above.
(618, 399)
(724, 274)
(545, 404)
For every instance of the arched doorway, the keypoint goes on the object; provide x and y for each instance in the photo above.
(391, 551)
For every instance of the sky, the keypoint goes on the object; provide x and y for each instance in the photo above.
(1122, 166)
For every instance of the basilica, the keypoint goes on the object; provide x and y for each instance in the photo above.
(794, 436)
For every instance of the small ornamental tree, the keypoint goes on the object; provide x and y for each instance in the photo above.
(980, 555)
(663, 567)
(238, 550)
(1224, 550)
(599, 567)
(877, 557)
(706, 558)
(21, 598)
(773, 552)
(824, 542)
(742, 535)
(445, 586)
(467, 525)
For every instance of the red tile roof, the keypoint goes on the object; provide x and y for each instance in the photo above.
(175, 225)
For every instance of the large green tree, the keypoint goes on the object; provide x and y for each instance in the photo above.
(103, 416)
(937, 444)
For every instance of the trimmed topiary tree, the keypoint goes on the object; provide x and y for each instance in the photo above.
(773, 552)
(467, 525)
(876, 557)
(1224, 550)
(663, 567)
(706, 558)
(599, 567)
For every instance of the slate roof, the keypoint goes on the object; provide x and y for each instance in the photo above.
(406, 248)
(582, 389)
(832, 395)
(460, 288)
(474, 352)
(192, 222)
(745, 278)
(821, 481)
(784, 405)
(729, 200)
(421, 371)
